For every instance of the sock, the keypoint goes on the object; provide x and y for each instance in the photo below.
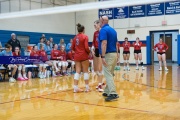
(24, 75)
(19, 75)
(75, 87)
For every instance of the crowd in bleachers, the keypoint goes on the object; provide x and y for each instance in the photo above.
(59, 57)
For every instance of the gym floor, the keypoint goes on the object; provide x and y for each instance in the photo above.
(144, 95)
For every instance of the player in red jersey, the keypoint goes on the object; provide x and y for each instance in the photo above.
(96, 56)
(126, 53)
(81, 49)
(21, 67)
(34, 51)
(70, 60)
(137, 53)
(63, 63)
(161, 49)
(55, 57)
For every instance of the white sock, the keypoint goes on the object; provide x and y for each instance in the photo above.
(87, 86)
(19, 75)
(75, 87)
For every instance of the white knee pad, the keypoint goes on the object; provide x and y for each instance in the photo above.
(44, 65)
(23, 68)
(100, 73)
(76, 76)
(20, 67)
(72, 63)
(59, 64)
(64, 64)
(86, 76)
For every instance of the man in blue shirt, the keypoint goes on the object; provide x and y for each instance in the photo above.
(109, 54)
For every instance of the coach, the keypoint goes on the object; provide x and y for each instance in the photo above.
(14, 42)
(109, 55)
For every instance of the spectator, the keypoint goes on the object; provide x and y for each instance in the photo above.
(44, 38)
(61, 43)
(48, 49)
(8, 52)
(68, 47)
(41, 42)
(51, 42)
(14, 42)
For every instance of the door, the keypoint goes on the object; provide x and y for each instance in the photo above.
(152, 47)
(167, 38)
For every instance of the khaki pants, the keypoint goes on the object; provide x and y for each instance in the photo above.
(111, 60)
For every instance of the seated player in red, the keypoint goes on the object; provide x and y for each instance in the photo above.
(21, 67)
(63, 63)
(71, 63)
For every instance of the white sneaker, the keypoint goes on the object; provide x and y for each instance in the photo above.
(41, 76)
(11, 79)
(100, 88)
(143, 68)
(160, 69)
(137, 68)
(125, 68)
(166, 69)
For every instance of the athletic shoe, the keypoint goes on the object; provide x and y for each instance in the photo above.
(54, 75)
(77, 90)
(41, 76)
(20, 79)
(65, 74)
(125, 68)
(160, 69)
(166, 69)
(137, 68)
(103, 84)
(87, 90)
(11, 79)
(73, 72)
(100, 88)
(143, 68)
(104, 94)
(25, 78)
(111, 97)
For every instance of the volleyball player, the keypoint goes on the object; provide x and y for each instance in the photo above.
(63, 63)
(21, 67)
(137, 53)
(81, 49)
(55, 57)
(126, 53)
(161, 49)
(70, 60)
(97, 59)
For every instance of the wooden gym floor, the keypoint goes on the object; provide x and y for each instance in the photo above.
(144, 95)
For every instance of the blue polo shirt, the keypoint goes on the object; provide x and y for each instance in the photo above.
(109, 34)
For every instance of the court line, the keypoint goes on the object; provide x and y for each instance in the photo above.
(98, 105)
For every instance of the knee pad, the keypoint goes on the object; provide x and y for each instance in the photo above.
(59, 64)
(23, 68)
(44, 66)
(76, 76)
(20, 67)
(73, 63)
(86, 76)
(100, 73)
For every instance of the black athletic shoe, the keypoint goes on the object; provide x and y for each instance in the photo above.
(112, 97)
(104, 94)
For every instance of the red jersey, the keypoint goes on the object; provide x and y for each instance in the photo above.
(63, 55)
(43, 54)
(34, 53)
(55, 54)
(80, 47)
(161, 47)
(70, 55)
(126, 46)
(95, 39)
(137, 46)
(14, 54)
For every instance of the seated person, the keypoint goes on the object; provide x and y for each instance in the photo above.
(21, 67)
(71, 63)
(8, 52)
(63, 63)
(41, 43)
